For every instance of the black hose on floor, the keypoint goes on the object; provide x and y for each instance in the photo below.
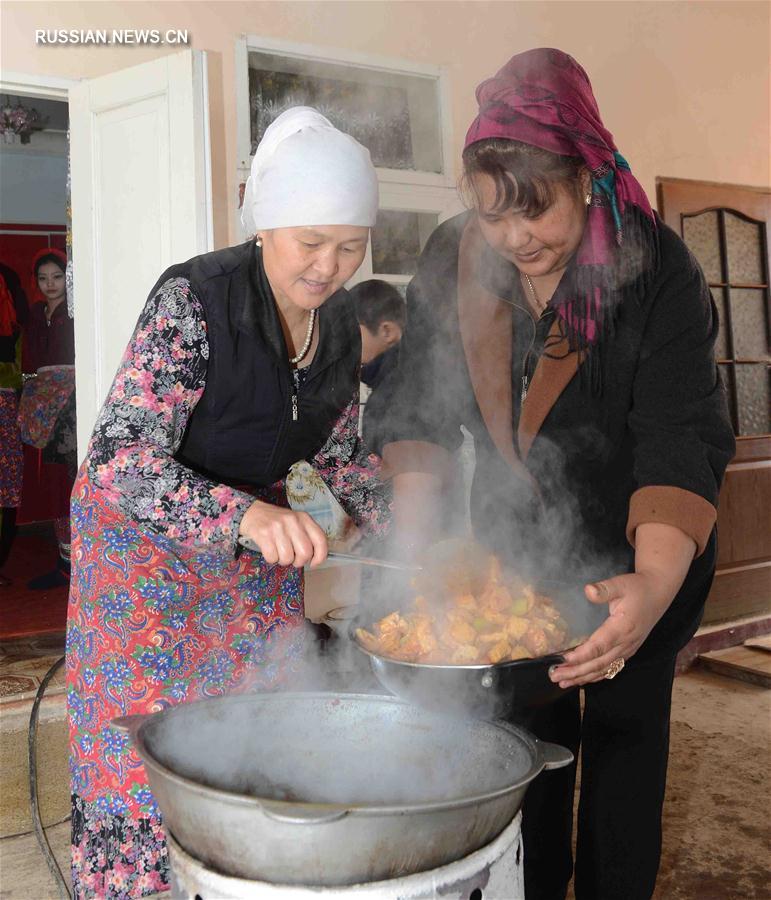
(37, 823)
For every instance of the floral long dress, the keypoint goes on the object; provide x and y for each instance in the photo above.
(162, 608)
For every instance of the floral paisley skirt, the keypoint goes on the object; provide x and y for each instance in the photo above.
(150, 625)
(11, 456)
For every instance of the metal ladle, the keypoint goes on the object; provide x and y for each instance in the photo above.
(349, 557)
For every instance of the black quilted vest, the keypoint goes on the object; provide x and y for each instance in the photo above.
(243, 430)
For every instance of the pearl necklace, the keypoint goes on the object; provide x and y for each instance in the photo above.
(538, 305)
(308, 339)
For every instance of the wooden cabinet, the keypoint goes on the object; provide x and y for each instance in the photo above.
(728, 228)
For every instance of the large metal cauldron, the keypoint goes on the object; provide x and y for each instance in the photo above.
(332, 789)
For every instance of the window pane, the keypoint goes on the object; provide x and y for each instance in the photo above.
(748, 318)
(744, 248)
(752, 390)
(722, 349)
(726, 376)
(397, 240)
(703, 238)
(395, 116)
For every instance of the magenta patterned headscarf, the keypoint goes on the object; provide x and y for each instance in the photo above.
(544, 98)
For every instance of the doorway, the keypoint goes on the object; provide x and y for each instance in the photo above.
(39, 462)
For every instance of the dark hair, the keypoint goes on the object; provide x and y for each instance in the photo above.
(524, 176)
(378, 301)
(49, 258)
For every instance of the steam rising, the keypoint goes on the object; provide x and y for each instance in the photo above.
(291, 752)
(352, 751)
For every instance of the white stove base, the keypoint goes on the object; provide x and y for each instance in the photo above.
(493, 873)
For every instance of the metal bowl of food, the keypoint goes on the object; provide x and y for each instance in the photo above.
(501, 672)
(497, 691)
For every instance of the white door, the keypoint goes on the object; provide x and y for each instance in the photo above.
(141, 200)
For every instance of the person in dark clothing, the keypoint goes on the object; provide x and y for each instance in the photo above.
(381, 312)
(48, 354)
(572, 333)
(49, 337)
(13, 315)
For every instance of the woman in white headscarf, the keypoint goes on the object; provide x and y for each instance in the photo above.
(243, 362)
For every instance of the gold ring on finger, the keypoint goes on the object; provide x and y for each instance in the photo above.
(614, 668)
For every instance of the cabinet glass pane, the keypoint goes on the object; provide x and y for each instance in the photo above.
(703, 238)
(396, 116)
(744, 248)
(754, 399)
(397, 240)
(748, 319)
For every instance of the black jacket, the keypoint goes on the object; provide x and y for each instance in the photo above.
(380, 377)
(243, 430)
(595, 460)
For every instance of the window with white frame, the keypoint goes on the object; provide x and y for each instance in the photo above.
(399, 110)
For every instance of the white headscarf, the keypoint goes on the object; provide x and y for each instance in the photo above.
(306, 172)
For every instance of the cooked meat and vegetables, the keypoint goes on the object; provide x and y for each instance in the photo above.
(502, 621)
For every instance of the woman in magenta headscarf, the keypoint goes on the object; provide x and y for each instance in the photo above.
(571, 332)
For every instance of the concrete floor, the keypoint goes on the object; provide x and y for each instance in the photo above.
(714, 704)
(715, 720)
(23, 871)
(717, 830)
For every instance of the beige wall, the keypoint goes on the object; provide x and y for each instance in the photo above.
(684, 86)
